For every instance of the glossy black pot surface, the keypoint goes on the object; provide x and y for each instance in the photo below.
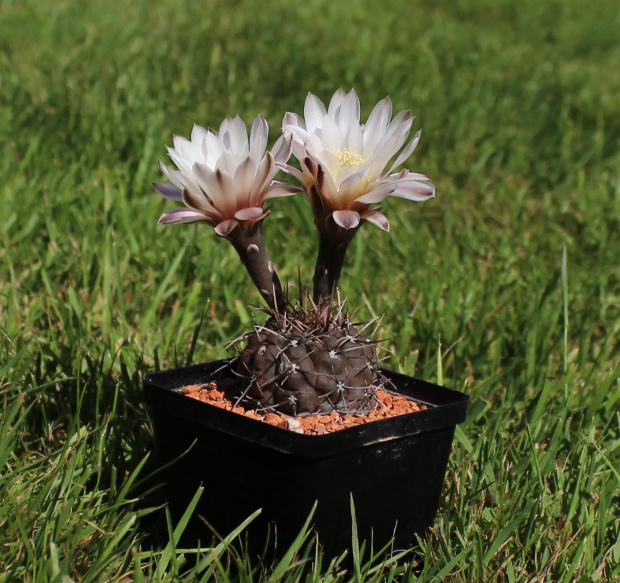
(393, 468)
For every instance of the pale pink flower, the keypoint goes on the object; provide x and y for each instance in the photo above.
(343, 162)
(223, 177)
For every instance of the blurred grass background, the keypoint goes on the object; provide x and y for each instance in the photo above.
(511, 273)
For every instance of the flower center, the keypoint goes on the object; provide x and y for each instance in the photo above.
(348, 158)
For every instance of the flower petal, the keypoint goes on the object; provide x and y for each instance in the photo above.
(214, 148)
(314, 112)
(415, 176)
(390, 143)
(259, 135)
(411, 146)
(235, 136)
(244, 176)
(183, 164)
(331, 165)
(396, 132)
(177, 178)
(298, 148)
(299, 135)
(326, 186)
(183, 147)
(376, 218)
(202, 174)
(221, 191)
(197, 201)
(264, 174)
(346, 219)
(376, 125)
(335, 104)
(292, 119)
(377, 194)
(311, 166)
(224, 228)
(314, 146)
(278, 191)
(349, 113)
(168, 190)
(198, 134)
(415, 190)
(303, 178)
(330, 135)
(354, 139)
(249, 213)
(182, 215)
(281, 150)
(351, 187)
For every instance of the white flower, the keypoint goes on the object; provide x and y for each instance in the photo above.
(224, 178)
(343, 162)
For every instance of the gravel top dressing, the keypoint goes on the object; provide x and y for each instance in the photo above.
(390, 405)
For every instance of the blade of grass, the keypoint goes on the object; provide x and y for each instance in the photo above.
(287, 559)
(170, 550)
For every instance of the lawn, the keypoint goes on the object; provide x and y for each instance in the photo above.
(505, 286)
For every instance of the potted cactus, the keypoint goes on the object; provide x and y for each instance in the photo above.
(308, 359)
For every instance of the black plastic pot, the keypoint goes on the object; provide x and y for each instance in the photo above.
(394, 468)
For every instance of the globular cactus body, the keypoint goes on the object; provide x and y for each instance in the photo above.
(297, 366)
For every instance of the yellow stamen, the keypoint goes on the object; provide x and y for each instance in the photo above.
(348, 158)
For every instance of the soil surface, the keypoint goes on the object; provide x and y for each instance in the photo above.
(390, 405)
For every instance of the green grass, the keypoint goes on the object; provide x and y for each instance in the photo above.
(513, 270)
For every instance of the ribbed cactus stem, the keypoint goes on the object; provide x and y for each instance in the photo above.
(302, 364)
(251, 249)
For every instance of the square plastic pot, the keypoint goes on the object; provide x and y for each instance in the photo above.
(393, 468)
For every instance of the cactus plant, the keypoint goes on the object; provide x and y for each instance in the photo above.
(309, 361)
(302, 360)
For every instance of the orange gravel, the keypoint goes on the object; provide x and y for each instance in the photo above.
(389, 406)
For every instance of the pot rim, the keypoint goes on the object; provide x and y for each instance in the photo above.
(446, 407)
